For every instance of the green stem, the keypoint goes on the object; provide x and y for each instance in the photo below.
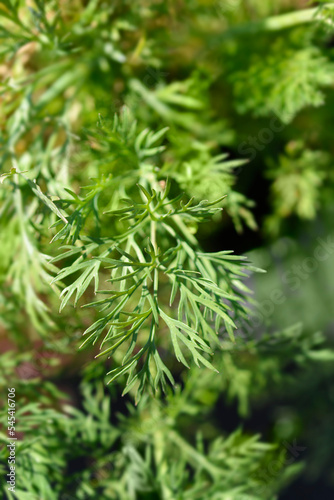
(20, 211)
(177, 226)
(276, 23)
(153, 235)
(159, 437)
(201, 460)
(155, 272)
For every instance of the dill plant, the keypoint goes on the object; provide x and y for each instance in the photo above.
(114, 163)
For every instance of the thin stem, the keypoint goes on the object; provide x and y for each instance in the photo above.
(277, 23)
(155, 272)
(212, 469)
(153, 235)
(159, 437)
(20, 211)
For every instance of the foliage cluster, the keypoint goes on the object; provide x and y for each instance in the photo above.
(121, 126)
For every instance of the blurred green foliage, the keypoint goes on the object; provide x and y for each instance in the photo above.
(125, 128)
